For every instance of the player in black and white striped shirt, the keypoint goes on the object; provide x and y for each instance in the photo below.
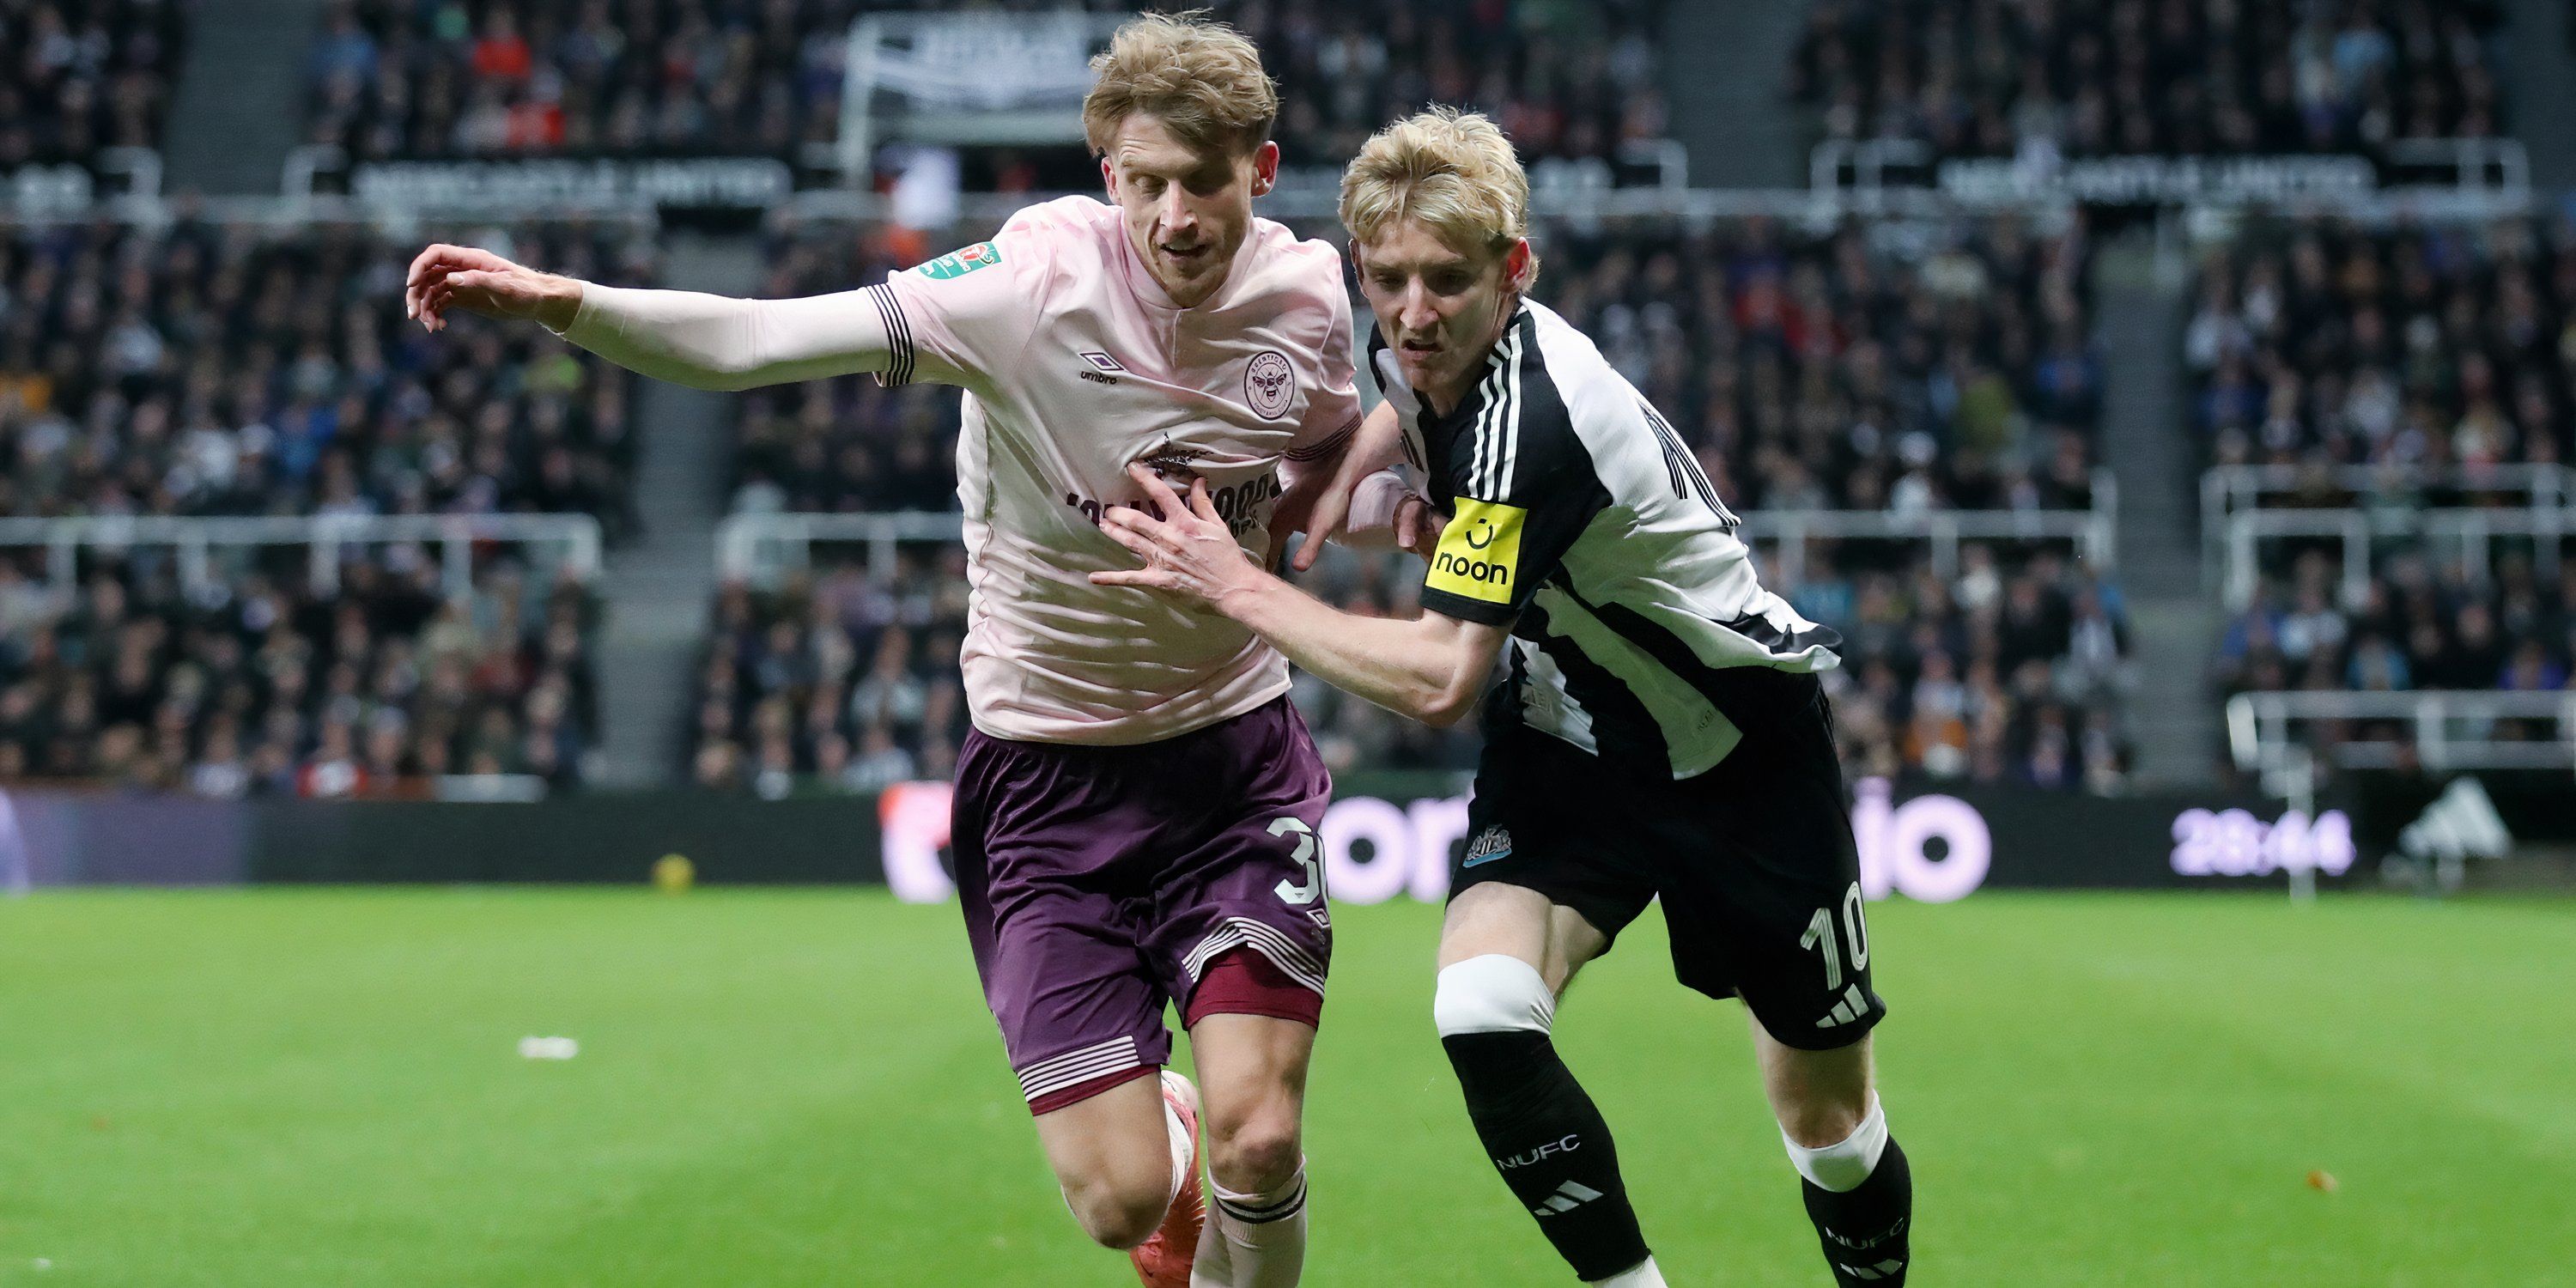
(1659, 731)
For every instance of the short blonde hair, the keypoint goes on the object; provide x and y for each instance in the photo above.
(1199, 77)
(1454, 171)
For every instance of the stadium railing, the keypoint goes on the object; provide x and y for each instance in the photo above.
(2228, 490)
(2473, 530)
(2094, 532)
(2447, 729)
(758, 547)
(195, 539)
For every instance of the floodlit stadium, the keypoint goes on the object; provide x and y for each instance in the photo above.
(2035, 542)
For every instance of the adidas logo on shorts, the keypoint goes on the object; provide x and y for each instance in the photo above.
(1854, 1005)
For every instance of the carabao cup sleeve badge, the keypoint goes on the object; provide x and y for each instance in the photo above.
(1269, 384)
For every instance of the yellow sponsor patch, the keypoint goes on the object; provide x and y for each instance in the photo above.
(1479, 556)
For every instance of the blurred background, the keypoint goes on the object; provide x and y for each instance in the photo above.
(2169, 401)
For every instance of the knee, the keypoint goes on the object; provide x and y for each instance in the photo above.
(1835, 1145)
(1120, 1212)
(1257, 1152)
(1819, 1122)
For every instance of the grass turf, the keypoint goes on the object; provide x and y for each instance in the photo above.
(288, 1088)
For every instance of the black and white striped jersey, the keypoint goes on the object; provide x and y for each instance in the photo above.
(1580, 519)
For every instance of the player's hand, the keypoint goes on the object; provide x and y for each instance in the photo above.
(1189, 552)
(447, 277)
(1378, 444)
(1418, 525)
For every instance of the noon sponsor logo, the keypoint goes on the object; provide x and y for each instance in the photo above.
(1477, 570)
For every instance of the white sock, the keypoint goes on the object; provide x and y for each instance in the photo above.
(1641, 1275)
(1843, 1165)
(1254, 1240)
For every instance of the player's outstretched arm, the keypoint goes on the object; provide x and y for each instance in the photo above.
(1430, 668)
(688, 338)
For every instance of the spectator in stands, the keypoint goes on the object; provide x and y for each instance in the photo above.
(77, 76)
(231, 370)
(2136, 77)
(265, 684)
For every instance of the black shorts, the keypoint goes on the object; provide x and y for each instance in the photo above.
(1754, 861)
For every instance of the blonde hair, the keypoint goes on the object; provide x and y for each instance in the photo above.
(1199, 77)
(1454, 171)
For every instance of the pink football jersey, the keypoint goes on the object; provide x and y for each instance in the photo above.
(1075, 365)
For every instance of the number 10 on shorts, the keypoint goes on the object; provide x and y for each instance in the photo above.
(1820, 935)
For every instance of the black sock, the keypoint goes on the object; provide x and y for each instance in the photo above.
(1867, 1230)
(1551, 1145)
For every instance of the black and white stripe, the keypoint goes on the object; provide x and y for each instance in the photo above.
(1640, 631)
(898, 331)
(1498, 421)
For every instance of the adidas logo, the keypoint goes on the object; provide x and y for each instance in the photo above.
(1880, 1271)
(1854, 1005)
(1569, 1196)
(2461, 824)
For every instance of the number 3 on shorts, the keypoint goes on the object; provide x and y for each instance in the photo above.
(1290, 893)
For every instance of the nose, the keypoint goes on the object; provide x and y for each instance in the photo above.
(1176, 215)
(1415, 313)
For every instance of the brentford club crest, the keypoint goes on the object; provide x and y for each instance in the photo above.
(1269, 384)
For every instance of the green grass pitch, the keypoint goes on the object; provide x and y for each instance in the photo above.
(300, 1089)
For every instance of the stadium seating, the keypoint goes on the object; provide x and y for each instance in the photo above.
(80, 75)
(391, 78)
(242, 370)
(2316, 341)
(275, 685)
(2136, 77)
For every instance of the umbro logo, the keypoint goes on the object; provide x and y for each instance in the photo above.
(1569, 1196)
(1104, 370)
(1854, 1005)
(1493, 843)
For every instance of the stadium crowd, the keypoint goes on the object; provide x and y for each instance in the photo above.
(262, 682)
(238, 370)
(442, 78)
(80, 75)
(2321, 342)
(2142, 77)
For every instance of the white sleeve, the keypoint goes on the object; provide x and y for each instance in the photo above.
(716, 342)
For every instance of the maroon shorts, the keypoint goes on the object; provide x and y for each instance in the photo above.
(1102, 883)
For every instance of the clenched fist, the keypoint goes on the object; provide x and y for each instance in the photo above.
(478, 281)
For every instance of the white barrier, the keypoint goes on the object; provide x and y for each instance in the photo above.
(194, 539)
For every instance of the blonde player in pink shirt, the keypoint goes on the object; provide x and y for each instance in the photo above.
(1136, 809)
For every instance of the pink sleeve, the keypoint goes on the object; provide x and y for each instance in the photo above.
(1333, 413)
(966, 313)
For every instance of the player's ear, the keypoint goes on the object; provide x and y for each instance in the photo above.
(1265, 168)
(1109, 177)
(1518, 263)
